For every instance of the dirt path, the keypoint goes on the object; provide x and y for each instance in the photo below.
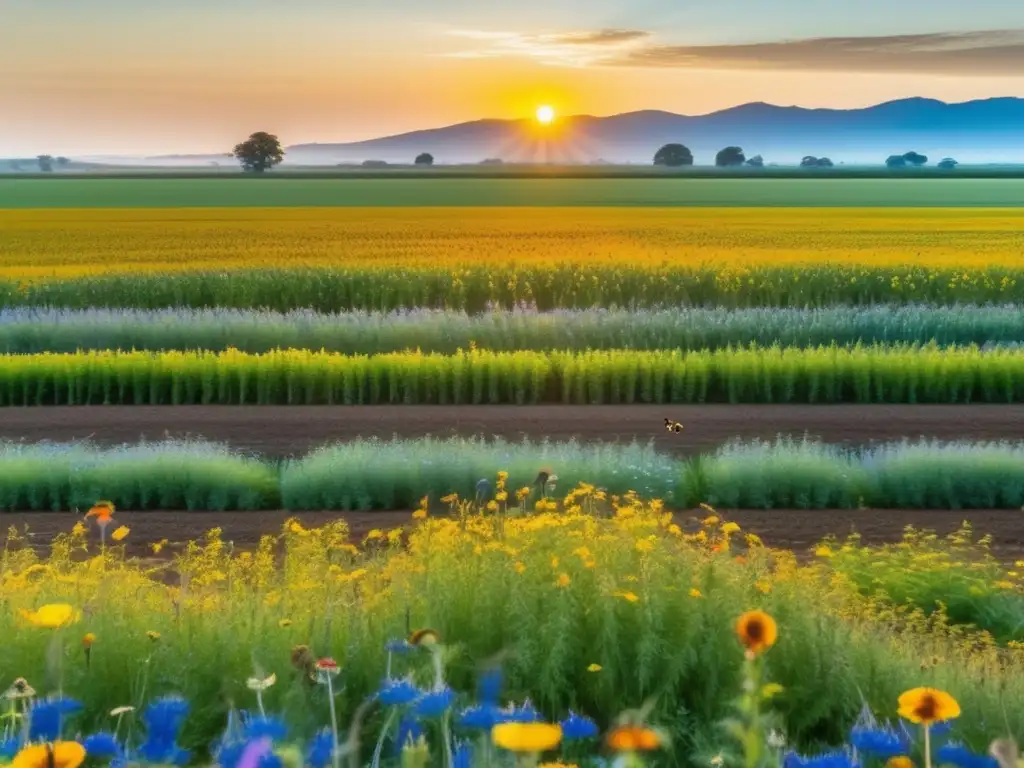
(282, 430)
(794, 529)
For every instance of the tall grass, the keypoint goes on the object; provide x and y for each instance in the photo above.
(808, 475)
(860, 374)
(170, 474)
(368, 474)
(38, 329)
(563, 285)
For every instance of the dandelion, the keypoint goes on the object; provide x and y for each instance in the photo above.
(563, 580)
(629, 597)
(771, 690)
(594, 668)
(824, 551)
(519, 567)
(763, 586)
(419, 514)
(730, 528)
(157, 546)
(694, 592)
(757, 631)
(121, 533)
(528, 738)
(153, 635)
(87, 640)
(57, 754)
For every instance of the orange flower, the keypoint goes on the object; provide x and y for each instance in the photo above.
(757, 631)
(633, 738)
(103, 511)
(927, 706)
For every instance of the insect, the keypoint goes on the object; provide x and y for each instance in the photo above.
(673, 426)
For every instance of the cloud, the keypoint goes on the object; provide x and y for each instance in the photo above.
(995, 52)
(577, 49)
(942, 53)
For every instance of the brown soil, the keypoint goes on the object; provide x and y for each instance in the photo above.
(283, 430)
(793, 529)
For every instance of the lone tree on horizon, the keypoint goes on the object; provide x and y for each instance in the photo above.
(424, 158)
(730, 156)
(673, 156)
(259, 152)
(45, 163)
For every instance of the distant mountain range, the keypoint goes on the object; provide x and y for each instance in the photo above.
(990, 130)
(982, 131)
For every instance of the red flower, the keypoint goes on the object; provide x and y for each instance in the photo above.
(327, 664)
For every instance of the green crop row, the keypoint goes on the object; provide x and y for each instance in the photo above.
(370, 474)
(474, 289)
(860, 374)
(32, 330)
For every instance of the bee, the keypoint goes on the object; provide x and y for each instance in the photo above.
(673, 426)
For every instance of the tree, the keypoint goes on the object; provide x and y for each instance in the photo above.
(62, 161)
(729, 156)
(948, 164)
(756, 161)
(915, 159)
(673, 156)
(424, 158)
(492, 161)
(816, 162)
(45, 163)
(259, 152)
(896, 161)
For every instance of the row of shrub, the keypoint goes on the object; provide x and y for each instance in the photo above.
(373, 474)
(860, 374)
(549, 286)
(40, 329)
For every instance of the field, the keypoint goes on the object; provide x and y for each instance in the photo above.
(71, 192)
(305, 466)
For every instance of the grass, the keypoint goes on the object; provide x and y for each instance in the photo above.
(368, 474)
(32, 330)
(206, 192)
(652, 604)
(860, 374)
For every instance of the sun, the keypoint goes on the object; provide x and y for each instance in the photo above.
(545, 114)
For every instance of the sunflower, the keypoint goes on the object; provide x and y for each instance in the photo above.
(58, 754)
(526, 737)
(633, 738)
(757, 631)
(927, 706)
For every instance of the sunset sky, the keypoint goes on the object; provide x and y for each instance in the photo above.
(130, 77)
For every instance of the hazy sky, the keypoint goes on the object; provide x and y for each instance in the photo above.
(163, 76)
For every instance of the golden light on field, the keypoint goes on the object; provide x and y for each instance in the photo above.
(545, 114)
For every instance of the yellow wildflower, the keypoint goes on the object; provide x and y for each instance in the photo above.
(120, 533)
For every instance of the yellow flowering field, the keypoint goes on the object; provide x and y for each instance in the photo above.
(75, 242)
(598, 606)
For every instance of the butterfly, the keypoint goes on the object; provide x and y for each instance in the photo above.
(673, 426)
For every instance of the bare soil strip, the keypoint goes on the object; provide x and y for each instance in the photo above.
(291, 430)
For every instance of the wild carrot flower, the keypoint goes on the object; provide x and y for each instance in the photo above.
(757, 631)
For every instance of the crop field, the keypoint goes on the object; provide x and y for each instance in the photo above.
(71, 192)
(485, 472)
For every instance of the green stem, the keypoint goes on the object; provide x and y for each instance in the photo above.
(927, 746)
(379, 749)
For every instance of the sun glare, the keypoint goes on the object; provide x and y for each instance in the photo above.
(545, 114)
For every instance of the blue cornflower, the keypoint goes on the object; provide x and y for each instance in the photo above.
(318, 754)
(524, 714)
(882, 743)
(164, 718)
(102, 745)
(46, 718)
(408, 730)
(228, 756)
(434, 703)
(578, 727)
(962, 757)
(262, 726)
(463, 757)
(481, 717)
(396, 693)
(488, 687)
(9, 747)
(838, 759)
